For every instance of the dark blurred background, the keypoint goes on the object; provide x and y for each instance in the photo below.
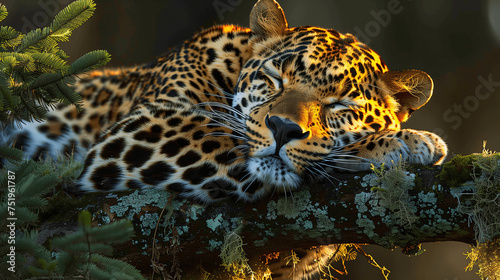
(457, 42)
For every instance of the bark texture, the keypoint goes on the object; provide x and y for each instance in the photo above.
(345, 211)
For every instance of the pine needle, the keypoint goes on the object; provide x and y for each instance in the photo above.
(3, 12)
(70, 18)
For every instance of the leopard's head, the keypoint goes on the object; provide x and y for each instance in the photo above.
(308, 92)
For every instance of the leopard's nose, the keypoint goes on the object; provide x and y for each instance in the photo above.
(284, 131)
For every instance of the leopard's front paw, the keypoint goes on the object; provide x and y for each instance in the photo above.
(425, 147)
(411, 146)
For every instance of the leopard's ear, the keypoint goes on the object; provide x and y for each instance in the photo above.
(267, 19)
(411, 89)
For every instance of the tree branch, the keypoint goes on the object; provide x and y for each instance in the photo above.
(344, 211)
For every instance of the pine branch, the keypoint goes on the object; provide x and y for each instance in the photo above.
(11, 154)
(3, 12)
(34, 73)
(89, 61)
(71, 18)
(36, 38)
(9, 37)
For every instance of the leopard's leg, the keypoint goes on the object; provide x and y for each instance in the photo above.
(304, 264)
(390, 147)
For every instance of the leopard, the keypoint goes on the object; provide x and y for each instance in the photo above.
(238, 113)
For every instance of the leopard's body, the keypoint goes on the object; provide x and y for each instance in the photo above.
(240, 112)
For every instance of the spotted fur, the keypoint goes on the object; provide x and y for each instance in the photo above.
(240, 112)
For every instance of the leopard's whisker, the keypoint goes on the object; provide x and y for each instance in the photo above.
(250, 184)
(323, 173)
(241, 148)
(224, 106)
(219, 89)
(338, 167)
(224, 116)
(222, 134)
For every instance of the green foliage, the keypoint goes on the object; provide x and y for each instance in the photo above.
(11, 154)
(107, 268)
(29, 183)
(3, 12)
(34, 75)
(34, 72)
(71, 18)
(80, 254)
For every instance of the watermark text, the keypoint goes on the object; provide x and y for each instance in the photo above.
(11, 220)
